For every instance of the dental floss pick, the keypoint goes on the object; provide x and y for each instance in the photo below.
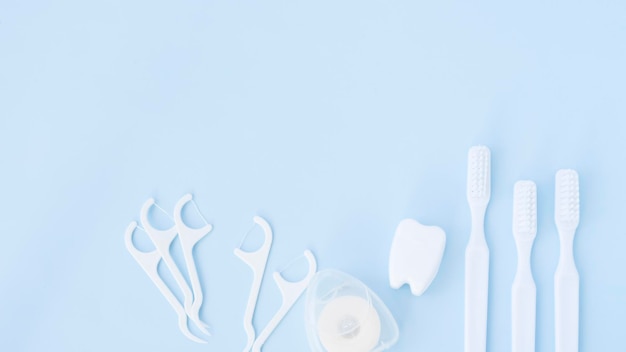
(477, 252)
(566, 279)
(162, 240)
(257, 261)
(149, 262)
(290, 292)
(188, 238)
(524, 291)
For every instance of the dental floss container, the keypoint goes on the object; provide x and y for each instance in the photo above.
(343, 315)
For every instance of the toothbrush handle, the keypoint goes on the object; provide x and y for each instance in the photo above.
(476, 297)
(566, 286)
(524, 300)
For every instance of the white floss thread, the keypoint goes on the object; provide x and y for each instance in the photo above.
(349, 323)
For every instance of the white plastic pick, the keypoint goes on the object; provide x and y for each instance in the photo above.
(162, 240)
(256, 261)
(290, 292)
(149, 262)
(188, 238)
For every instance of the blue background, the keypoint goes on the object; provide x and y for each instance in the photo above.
(334, 120)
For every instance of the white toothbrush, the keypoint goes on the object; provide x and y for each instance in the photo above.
(477, 252)
(566, 281)
(524, 292)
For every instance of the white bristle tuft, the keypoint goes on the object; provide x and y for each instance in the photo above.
(479, 174)
(567, 199)
(525, 209)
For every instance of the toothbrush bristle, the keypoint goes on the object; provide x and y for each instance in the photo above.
(479, 174)
(525, 209)
(567, 199)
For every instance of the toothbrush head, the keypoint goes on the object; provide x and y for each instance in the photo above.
(567, 199)
(525, 210)
(479, 175)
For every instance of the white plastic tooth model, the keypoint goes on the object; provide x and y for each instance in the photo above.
(415, 256)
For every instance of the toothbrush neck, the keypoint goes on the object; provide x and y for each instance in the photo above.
(566, 239)
(524, 248)
(478, 220)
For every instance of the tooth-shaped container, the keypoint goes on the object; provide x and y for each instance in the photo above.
(343, 314)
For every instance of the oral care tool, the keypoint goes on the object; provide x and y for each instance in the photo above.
(149, 262)
(256, 261)
(477, 252)
(524, 291)
(566, 280)
(344, 315)
(162, 240)
(290, 292)
(188, 238)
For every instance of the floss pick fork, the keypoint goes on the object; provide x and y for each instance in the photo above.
(257, 261)
(162, 240)
(149, 262)
(290, 292)
(524, 291)
(188, 238)
(566, 279)
(477, 252)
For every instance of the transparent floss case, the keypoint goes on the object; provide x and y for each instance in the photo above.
(344, 315)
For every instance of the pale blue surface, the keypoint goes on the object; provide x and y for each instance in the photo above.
(335, 120)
